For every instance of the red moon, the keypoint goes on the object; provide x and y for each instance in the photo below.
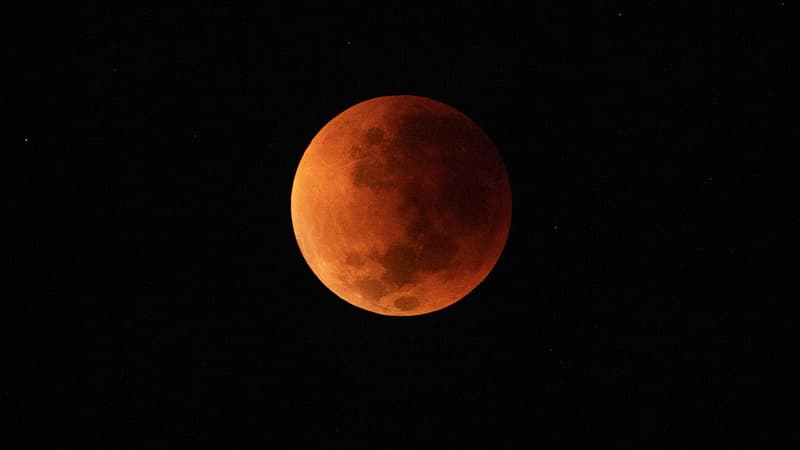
(401, 205)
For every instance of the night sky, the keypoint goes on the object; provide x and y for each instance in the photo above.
(167, 302)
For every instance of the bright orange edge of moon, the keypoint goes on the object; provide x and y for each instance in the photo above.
(401, 205)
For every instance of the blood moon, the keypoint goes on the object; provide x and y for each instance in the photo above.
(401, 205)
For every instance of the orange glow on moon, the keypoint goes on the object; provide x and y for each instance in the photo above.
(401, 205)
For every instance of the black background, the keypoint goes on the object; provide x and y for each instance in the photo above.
(170, 304)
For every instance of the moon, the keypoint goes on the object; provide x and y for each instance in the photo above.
(401, 205)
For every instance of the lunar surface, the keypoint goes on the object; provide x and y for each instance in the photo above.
(401, 205)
